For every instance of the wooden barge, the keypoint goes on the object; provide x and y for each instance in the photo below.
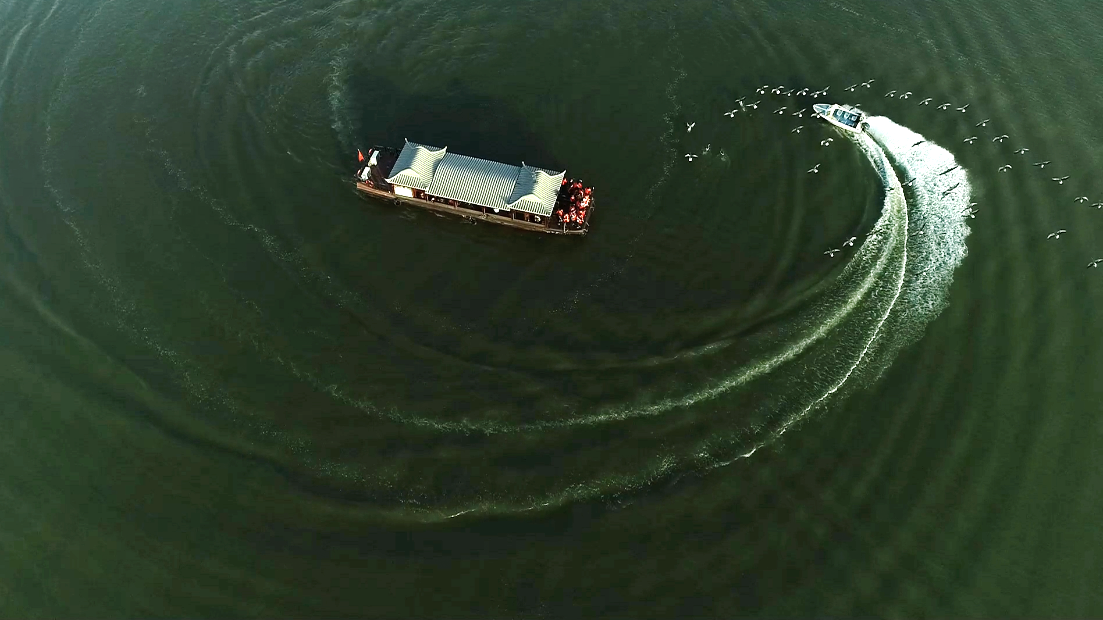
(522, 197)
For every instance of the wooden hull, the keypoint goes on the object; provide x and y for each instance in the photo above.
(465, 213)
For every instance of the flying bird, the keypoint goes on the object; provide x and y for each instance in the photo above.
(1056, 234)
(802, 92)
(868, 83)
(906, 95)
(1041, 164)
(832, 253)
(970, 213)
(850, 242)
(945, 106)
(796, 129)
(891, 93)
(708, 147)
(691, 156)
(1095, 263)
(1000, 138)
(949, 170)
(1021, 151)
(1097, 205)
(963, 108)
(689, 126)
(983, 123)
(955, 186)
(814, 169)
(732, 113)
(799, 113)
(926, 101)
(851, 87)
(909, 182)
(778, 90)
(1060, 180)
(1080, 199)
(826, 142)
(970, 140)
(780, 110)
(754, 106)
(1005, 167)
(762, 89)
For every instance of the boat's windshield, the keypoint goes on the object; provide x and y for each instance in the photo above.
(849, 119)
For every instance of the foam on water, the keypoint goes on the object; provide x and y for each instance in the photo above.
(894, 285)
(895, 282)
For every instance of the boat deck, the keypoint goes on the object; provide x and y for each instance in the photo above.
(464, 212)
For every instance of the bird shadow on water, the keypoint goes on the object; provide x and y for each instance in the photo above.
(455, 116)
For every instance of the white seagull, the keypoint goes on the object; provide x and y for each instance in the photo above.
(906, 95)
(926, 101)
(731, 114)
(1041, 164)
(1021, 151)
(1060, 180)
(754, 106)
(1000, 138)
(796, 129)
(970, 140)
(850, 242)
(691, 156)
(1097, 205)
(944, 106)
(963, 108)
(689, 126)
(1005, 167)
(814, 169)
(780, 110)
(868, 83)
(983, 123)
(851, 87)
(1080, 199)
(762, 89)
(1056, 234)
(832, 253)
(891, 93)
(1095, 263)
(799, 113)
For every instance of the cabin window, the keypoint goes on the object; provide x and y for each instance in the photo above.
(403, 191)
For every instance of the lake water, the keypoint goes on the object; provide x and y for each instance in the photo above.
(232, 386)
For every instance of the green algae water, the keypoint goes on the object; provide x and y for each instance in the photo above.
(234, 387)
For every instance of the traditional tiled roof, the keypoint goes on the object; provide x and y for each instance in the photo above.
(536, 190)
(415, 165)
(477, 181)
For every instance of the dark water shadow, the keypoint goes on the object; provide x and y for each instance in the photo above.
(467, 122)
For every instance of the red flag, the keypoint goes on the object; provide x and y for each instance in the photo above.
(359, 155)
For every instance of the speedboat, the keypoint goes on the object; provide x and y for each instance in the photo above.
(844, 117)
